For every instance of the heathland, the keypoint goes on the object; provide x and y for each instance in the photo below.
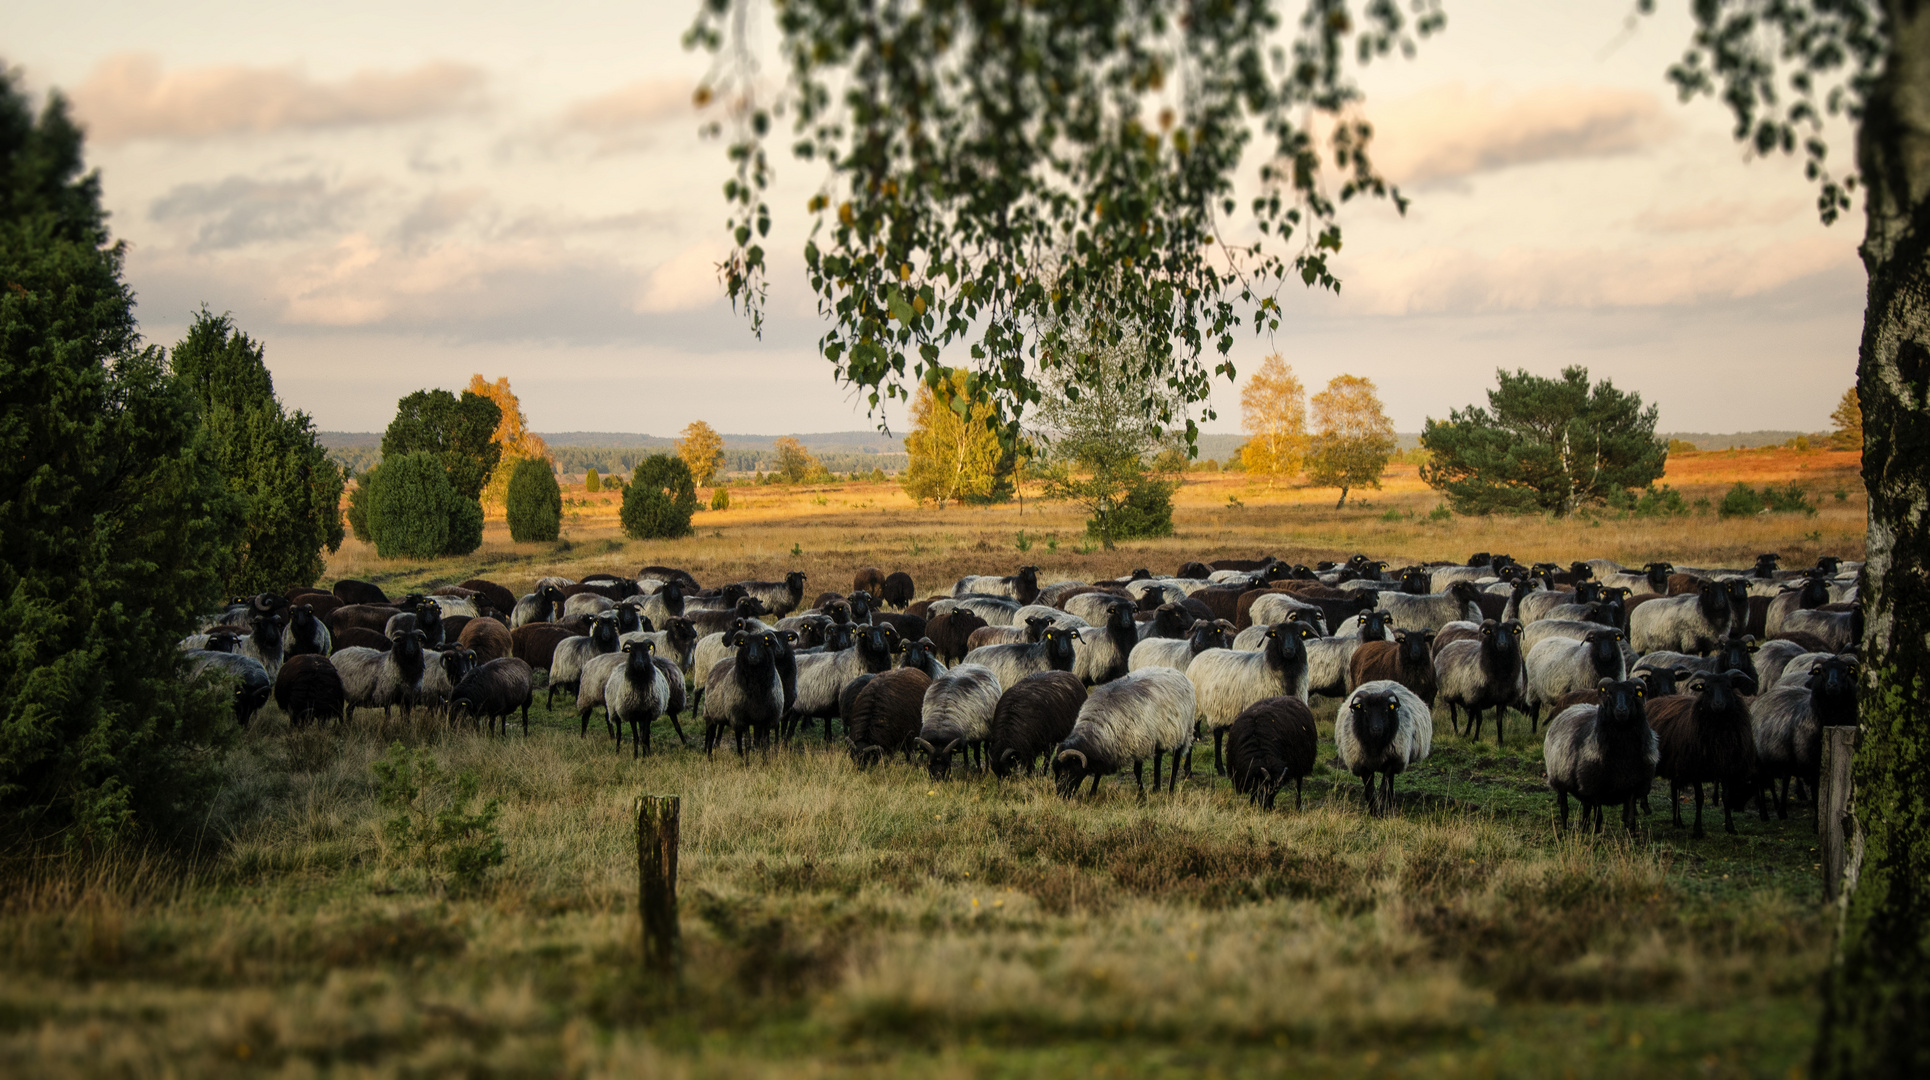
(879, 923)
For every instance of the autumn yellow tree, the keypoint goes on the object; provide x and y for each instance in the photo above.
(703, 450)
(1353, 438)
(512, 434)
(795, 464)
(1273, 413)
(953, 455)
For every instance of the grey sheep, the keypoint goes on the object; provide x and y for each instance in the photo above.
(1226, 681)
(779, 598)
(1102, 652)
(1022, 586)
(587, 603)
(1691, 623)
(1488, 672)
(1603, 754)
(643, 688)
(743, 695)
(1381, 730)
(1054, 651)
(957, 715)
(442, 671)
(1560, 666)
(1841, 629)
(1178, 654)
(372, 679)
(1789, 723)
(566, 664)
(251, 681)
(543, 605)
(821, 677)
(1140, 715)
(1434, 609)
(305, 633)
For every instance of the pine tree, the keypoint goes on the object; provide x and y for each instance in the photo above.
(1848, 419)
(534, 503)
(659, 500)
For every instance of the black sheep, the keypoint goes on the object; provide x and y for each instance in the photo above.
(493, 691)
(1271, 741)
(909, 627)
(309, 688)
(898, 590)
(1194, 571)
(950, 631)
(306, 634)
(359, 592)
(1604, 754)
(488, 592)
(885, 715)
(1707, 737)
(870, 580)
(1033, 716)
(671, 573)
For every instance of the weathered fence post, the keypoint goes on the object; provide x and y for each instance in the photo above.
(1832, 803)
(657, 881)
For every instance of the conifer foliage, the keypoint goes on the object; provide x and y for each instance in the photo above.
(535, 502)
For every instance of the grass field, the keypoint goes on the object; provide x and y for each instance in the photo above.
(883, 924)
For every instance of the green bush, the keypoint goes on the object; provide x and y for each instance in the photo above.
(1663, 501)
(1743, 500)
(410, 507)
(659, 500)
(465, 527)
(592, 482)
(358, 505)
(1146, 512)
(720, 498)
(433, 827)
(534, 501)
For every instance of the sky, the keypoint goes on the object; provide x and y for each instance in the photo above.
(397, 195)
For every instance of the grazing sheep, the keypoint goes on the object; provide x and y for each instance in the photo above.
(884, 716)
(1033, 716)
(1226, 681)
(1054, 651)
(1139, 715)
(350, 591)
(869, 579)
(1178, 655)
(1560, 666)
(1381, 729)
(252, 683)
(1103, 652)
(744, 694)
(822, 676)
(1022, 586)
(1408, 660)
(1272, 741)
(898, 590)
(372, 679)
(1434, 609)
(488, 639)
(778, 597)
(957, 715)
(1841, 629)
(305, 634)
(1485, 673)
(543, 605)
(1707, 736)
(1789, 723)
(489, 694)
(1604, 754)
(566, 664)
(309, 688)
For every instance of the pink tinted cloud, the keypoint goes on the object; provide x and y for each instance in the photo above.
(1452, 131)
(129, 96)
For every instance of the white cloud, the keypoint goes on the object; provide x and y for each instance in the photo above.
(1451, 131)
(686, 281)
(625, 118)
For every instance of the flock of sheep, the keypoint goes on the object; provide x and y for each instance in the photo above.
(1701, 676)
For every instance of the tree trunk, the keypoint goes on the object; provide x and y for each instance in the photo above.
(1343, 498)
(1877, 1003)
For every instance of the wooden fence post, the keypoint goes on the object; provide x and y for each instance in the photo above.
(1832, 804)
(657, 881)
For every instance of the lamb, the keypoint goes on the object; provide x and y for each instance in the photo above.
(372, 679)
(1272, 741)
(1691, 623)
(252, 684)
(1381, 729)
(488, 639)
(566, 665)
(1408, 660)
(822, 676)
(1789, 723)
(1033, 716)
(1434, 609)
(1022, 586)
(1139, 715)
(744, 694)
(1102, 652)
(957, 715)
(1485, 673)
(1603, 754)
(1708, 737)
(1560, 666)
(884, 716)
(305, 633)
(1841, 629)
(1054, 651)
(543, 605)
(1178, 655)
(309, 688)
(1226, 681)
(490, 693)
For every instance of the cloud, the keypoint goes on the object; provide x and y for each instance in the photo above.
(686, 281)
(1452, 132)
(128, 96)
(1719, 214)
(240, 210)
(624, 118)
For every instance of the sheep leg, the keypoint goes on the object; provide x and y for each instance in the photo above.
(1728, 816)
(1454, 717)
(1156, 762)
(1095, 786)
(1782, 800)
(1297, 781)
(1367, 791)
(1500, 735)
(1675, 802)
(1561, 803)
(1628, 814)
(1172, 780)
(525, 720)
(1474, 725)
(1139, 776)
(1219, 739)
(1596, 810)
(681, 741)
(1697, 833)
(1387, 796)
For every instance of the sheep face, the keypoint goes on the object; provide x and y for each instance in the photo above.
(1604, 649)
(222, 641)
(1414, 581)
(918, 654)
(1070, 767)
(1661, 681)
(1766, 564)
(1832, 690)
(1373, 625)
(1624, 704)
(1721, 692)
(1035, 626)
(860, 605)
(938, 759)
(794, 581)
(1376, 718)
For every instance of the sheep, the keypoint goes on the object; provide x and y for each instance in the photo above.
(922, 655)
(1381, 729)
(1054, 651)
(252, 683)
(488, 639)
(360, 616)
(309, 688)
(885, 715)
(1408, 660)
(351, 591)
(1735, 652)
(1139, 715)
(1772, 657)
(743, 693)
(995, 610)
(1812, 593)
(1032, 629)
(898, 590)
(566, 664)
(671, 573)
(1057, 616)
(869, 579)
(1330, 659)
(957, 715)
(1272, 741)
(489, 694)
(372, 679)
(676, 643)
(263, 642)
(708, 621)
(1535, 605)
(1789, 723)
(418, 614)
(1841, 629)
(536, 643)
(1461, 630)
(1560, 666)
(1651, 579)
(305, 633)
(356, 637)
(1485, 673)
(1226, 681)
(1797, 671)
(451, 607)
(662, 604)
(639, 691)
(1694, 623)
(779, 597)
(821, 676)
(1272, 607)
(1022, 586)
(492, 594)
(543, 605)
(1032, 717)
(721, 599)
(442, 672)
(1708, 737)
(1171, 622)
(1603, 754)
(1433, 609)
(1178, 655)
(1102, 652)
(1091, 607)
